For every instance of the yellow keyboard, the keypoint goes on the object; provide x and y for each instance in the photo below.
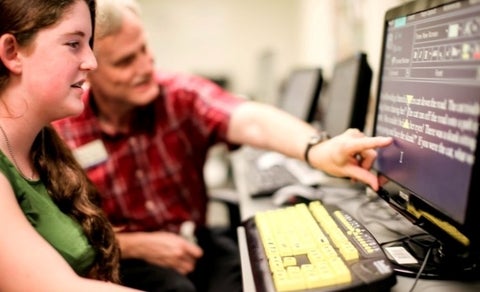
(314, 247)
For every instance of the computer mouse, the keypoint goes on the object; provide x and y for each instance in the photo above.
(295, 194)
(269, 159)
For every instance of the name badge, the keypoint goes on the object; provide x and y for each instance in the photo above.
(91, 154)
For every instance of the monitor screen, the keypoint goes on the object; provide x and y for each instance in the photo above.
(428, 99)
(301, 92)
(347, 95)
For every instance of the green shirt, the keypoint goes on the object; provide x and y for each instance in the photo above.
(60, 230)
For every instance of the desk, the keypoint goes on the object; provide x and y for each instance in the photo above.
(357, 203)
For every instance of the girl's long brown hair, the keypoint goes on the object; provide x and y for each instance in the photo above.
(75, 195)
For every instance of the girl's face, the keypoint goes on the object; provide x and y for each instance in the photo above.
(56, 63)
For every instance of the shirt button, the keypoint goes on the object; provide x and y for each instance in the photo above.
(133, 141)
(149, 205)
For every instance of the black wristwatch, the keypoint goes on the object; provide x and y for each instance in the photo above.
(314, 140)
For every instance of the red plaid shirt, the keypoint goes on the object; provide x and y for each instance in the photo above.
(153, 177)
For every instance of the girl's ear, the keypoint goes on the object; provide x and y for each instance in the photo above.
(9, 54)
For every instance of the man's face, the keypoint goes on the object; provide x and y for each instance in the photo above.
(125, 73)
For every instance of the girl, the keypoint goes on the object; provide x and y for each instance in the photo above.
(54, 237)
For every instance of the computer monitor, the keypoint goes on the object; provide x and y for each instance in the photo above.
(346, 98)
(301, 92)
(428, 99)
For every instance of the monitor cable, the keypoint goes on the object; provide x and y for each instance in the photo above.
(424, 263)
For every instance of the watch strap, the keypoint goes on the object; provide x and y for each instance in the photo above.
(314, 140)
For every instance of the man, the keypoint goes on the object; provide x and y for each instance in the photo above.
(143, 140)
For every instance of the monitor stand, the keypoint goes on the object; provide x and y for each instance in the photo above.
(443, 263)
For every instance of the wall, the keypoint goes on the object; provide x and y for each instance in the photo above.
(257, 42)
(253, 42)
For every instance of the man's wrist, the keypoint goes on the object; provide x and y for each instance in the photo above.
(314, 140)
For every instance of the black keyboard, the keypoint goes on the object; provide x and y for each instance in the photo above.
(315, 247)
(264, 182)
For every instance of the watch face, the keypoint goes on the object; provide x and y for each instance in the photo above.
(315, 140)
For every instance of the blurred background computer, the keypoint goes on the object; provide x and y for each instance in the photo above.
(344, 102)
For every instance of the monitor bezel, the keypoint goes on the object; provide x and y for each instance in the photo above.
(357, 106)
(401, 198)
(314, 98)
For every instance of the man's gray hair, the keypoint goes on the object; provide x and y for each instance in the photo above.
(110, 15)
